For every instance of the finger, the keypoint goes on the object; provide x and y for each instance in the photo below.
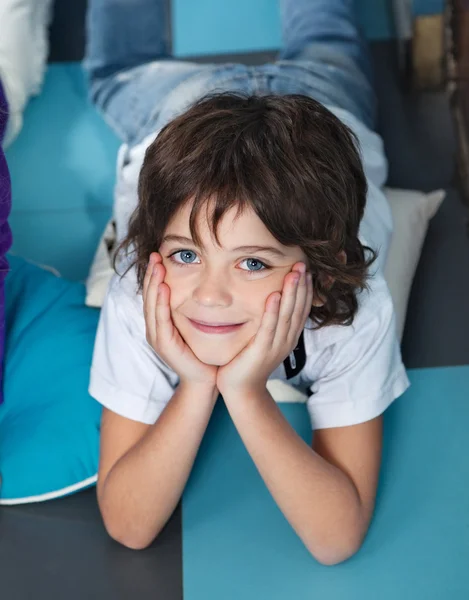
(153, 259)
(309, 297)
(287, 305)
(297, 321)
(149, 307)
(268, 327)
(146, 279)
(158, 273)
(164, 323)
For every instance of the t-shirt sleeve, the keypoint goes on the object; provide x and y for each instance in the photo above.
(127, 376)
(364, 373)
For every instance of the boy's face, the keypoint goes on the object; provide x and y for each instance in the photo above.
(222, 285)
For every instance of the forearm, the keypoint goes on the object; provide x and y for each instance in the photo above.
(319, 500)
(143, 488)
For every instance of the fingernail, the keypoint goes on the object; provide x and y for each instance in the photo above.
(302, 268)
(296, 279)
(155, 270)
(309, 277)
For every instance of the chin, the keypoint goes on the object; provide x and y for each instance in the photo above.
(214, 358)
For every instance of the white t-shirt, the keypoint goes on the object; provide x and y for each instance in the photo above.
(352, 373)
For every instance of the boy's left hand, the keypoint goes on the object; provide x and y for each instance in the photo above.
(283, 321)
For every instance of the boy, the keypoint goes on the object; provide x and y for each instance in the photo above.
(244, 260)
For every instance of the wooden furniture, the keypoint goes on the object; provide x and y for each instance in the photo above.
(457, 78)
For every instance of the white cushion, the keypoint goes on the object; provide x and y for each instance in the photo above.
(411, 212)
(101, 269)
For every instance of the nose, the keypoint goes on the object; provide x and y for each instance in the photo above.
(212, 290)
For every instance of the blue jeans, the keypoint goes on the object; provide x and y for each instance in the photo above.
(139, 87)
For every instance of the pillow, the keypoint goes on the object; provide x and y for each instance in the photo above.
(49, 424)
(101, 269)
(411, 212)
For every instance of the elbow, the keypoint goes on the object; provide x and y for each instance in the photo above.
(334, 554)
(128, 535)
(129, 541)
(124, 528)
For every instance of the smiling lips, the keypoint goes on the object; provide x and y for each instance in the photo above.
(215, 327)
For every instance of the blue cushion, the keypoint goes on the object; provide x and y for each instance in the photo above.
(49, 425)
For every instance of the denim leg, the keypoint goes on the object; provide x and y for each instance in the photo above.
(327, 31)
(331, 22)
(122, 34)
(129, 67)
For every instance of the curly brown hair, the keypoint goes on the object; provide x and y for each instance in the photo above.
(288, 158)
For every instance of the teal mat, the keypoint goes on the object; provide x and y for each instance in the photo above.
(214, 27)
(237, 544)
(63, 171)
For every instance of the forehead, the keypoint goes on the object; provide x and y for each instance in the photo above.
(239, 224)
(237, 229)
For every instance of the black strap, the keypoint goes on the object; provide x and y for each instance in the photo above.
(296, 360)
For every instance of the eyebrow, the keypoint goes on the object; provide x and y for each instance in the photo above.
(180, 239)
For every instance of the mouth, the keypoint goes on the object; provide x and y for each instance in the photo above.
(215, 327)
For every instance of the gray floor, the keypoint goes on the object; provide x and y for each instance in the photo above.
(59, 550)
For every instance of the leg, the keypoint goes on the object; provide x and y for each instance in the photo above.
(128, 62)
(123, 34)
(327, 32)
(306, 23)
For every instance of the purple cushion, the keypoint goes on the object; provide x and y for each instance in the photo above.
(5, 232)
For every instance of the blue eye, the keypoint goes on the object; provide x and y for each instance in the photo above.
(254, 264)
(187, 256)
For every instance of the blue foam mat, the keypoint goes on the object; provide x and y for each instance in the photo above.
(417, 546)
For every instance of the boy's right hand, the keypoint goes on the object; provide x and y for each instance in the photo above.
(163, 336)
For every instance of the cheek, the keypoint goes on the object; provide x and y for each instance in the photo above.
(255, 301)
(256, 293)
(178, 284)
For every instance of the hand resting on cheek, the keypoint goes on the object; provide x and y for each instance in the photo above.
(161, 333)
(283, 320)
